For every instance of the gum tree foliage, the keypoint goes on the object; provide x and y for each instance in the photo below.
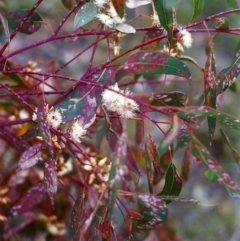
(92, 156)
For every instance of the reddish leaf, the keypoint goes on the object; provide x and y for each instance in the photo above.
(50, 178)
(97, 221)
(44, 127)
(30, 26)
(31, 199)
(30, 157)
(89, 111)
(152, 151)
(80, 216)
(210, 89)
(108, 231)
(119, 6)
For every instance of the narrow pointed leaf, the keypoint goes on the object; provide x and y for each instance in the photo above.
(210, 89)
(165, 15)
(30, 157)
(50, 179)
(153, 209)
(173, 183)
(84, 15)
(31, 199)
(227, 76)
(44, 127)
(197, 9)
(77, 218)
(97, 221)
(148, 62)
(216, 172)
(108, 231)
(31, 25)
(190, 113)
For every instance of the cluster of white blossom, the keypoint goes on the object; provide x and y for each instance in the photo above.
(54, 118)
(184, 39)
(119, 103)
(107, 13)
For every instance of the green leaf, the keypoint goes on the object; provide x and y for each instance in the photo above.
(216, 172)
(197, 9)
(190, 113)
(175, 98)
(153, 209)
(211, 175)
(153, 62)
(210, 89)
(233, 4)
(165, 15)
(227, 76)
(84, 15)
(30, 26)
(173, 183)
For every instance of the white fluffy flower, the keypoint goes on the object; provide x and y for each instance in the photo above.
(54, 118)
(119, 103)
(100, 3)
(155, 20)
(105, 19)
(185, 38)
(77, 131)
(34, 115)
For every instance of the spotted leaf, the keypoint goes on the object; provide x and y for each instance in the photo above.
(227, 76)
(30, 26)
(50, 178)
(30, 157)
(190, 113)
(216, 172)
(153, 209)
(153, 62)
(31, 199)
